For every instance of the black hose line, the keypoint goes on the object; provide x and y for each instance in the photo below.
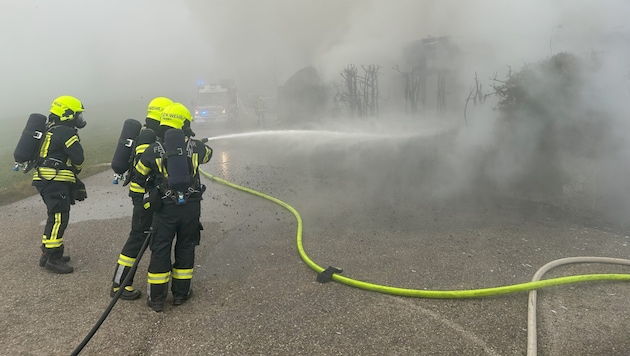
(115, 298)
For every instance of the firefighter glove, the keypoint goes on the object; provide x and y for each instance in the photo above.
(80, 193)
(152, 200)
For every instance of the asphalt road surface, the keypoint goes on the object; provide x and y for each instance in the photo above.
(255, 296)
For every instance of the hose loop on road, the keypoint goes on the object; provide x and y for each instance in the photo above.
(532, 286)
(422, 293)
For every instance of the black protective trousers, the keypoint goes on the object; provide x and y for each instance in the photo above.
(179, 223)
(140, 225)
(56, 196)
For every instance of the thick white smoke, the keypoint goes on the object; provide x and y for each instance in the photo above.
(266, 42)
(117, 50)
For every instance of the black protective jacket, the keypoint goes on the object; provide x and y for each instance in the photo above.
(134, 188)
(60, 156)
(151, 167)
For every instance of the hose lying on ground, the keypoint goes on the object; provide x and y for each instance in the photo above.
(115, 298)
(532, 338)
(421, 293)
(536, 283)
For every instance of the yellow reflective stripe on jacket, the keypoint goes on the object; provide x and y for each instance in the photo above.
(72, 140)
(195, 162)
(136, 188)
(141, 148)
(182, 273)
(161, 168)
(46, 173)
(125, 260)
(142, 169)
(43, 151)
(78, 167)
(207, 155)
(158, 278)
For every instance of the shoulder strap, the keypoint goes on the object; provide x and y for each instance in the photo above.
(190, 147)
(35, 162)
(160, 149)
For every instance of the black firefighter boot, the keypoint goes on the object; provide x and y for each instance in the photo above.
(182, 290)
(157, 296)
(43, 258)
(56, 263)
(130, 293)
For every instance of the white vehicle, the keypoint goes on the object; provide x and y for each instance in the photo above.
(216, 101)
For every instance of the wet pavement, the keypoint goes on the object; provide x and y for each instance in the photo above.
(364, 211)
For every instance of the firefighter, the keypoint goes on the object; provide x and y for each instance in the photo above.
(261, 107)
(176, 200)
(141, 218)
(55, 177)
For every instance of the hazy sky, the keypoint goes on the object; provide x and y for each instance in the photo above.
(96, 50)
(107, 50)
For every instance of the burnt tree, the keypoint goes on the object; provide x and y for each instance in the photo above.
(359, 94)
(415, 88)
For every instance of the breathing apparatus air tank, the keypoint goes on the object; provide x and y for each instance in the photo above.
(27, 149)
(121, 162)
(177, 162)
(146, 137)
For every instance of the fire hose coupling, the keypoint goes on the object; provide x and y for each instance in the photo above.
(326, 275)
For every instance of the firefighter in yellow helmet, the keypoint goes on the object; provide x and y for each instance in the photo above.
(154, 111)
(176, 202)
(55, 177)
(141, 218)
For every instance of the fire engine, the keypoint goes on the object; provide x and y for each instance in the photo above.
(216, 101)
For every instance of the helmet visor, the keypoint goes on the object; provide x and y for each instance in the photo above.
(79, 121)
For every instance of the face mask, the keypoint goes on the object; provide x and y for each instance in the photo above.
(79, 122)
(187, 130)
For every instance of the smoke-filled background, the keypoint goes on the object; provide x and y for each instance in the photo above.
(568, 137)
(121, 49)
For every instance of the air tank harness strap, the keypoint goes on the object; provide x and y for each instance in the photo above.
(176, 152)
(181, 198)
(36, 134)
(50, 163)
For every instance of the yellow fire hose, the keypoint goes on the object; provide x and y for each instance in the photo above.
(536, 283)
